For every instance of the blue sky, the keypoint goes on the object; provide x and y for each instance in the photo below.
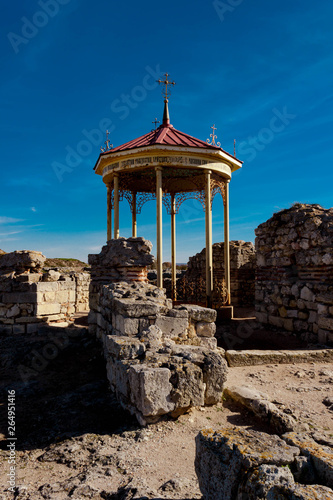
(261, 71)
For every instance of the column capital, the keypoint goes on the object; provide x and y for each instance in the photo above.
(208, 172)
(158, 169)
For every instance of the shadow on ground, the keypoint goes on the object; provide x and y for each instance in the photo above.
(245, 333)
(61, 397)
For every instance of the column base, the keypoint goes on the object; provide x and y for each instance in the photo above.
(225, 312)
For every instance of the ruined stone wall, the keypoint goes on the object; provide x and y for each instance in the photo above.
(294, 282)
(242, 269)
(160, 360)
(29, 297)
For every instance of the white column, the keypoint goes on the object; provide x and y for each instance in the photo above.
(116, 206)
(134, 224)
(159, 242)
(226, 240)
(209, 242)
(173, 249)
(109, 213)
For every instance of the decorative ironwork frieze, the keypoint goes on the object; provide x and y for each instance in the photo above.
(217, 185)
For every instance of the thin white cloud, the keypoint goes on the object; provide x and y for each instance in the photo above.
(9, 220)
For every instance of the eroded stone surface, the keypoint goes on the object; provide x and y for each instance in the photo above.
(260, 405)
(321, 456)
(224, 456)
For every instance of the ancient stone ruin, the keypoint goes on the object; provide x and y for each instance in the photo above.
(30, 297)
(294, 284)
(244, 464)
(160, 360)
(242, 270)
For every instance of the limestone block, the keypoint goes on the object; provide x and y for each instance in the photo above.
(6, 329)
(138, 308)
(127, 326)
(188, 385)
(13, 311)
(178, 312)
(325, 323)
(150, 390)
(18, 329)
(152, 336)
(214, 376)
(198, 313)
(223, 457)
(321, 456)
(262, 479)
(262, 317)
(260, 405)
(123, 347)
(307, 294)
(204, 329)
(81, 308)
(51, 276)
(33, 327)
(118, 377)
(19, 298)
(47, 287)
(275, 321)
(172, 327)
(46, 309)
(209, 343)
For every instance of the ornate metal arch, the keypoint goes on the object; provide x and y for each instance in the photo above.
(217, 185)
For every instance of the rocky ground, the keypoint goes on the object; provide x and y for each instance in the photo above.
(74, 441)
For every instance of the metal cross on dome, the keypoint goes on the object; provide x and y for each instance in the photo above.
(107, 143)
(156, 122)
(213, 136)
(166, 82)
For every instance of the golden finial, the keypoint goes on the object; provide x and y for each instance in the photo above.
(166, 82)
(107, 143)
(213, 136)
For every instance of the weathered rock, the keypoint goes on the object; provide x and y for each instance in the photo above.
(188, 385)
(300, 492)
(124, 252)
(51, 275)
(198, 313)
(223, 457)
(22, 261)
(214, 376)
(261, 481)
(321, 456)
(123, 347)
(261, 406)
(150, 390)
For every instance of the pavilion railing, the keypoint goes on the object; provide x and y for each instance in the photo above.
(193, 291)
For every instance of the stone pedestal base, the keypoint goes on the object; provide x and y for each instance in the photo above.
(226, 312)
